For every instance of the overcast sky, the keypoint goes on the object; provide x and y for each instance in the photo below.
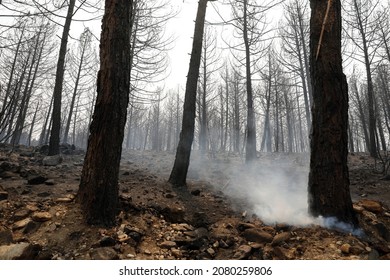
(181, 27)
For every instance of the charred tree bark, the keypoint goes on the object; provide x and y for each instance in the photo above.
(54, 145)
(329, 194)
(250, 148)
(84, 42)
(362, 116)
(44, 132)
(98, 190)
(182, 160)
(266, 144)
(203, 107)
(30, 81)
(11, 80)
(32, 125)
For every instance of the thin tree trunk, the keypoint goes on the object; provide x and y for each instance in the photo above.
(76, 84)
(305, 83)
(36, 59)
(182, 160)
(32, 125)
(289, 123)
(54, 145)
(362, 116)
(266, 144)
(226, 113)
(370, 87)
(12, 72)
(305, 56)
(222, 120)
(10, 117)
(250, 148)
(44, 128)
(350, 136)
(203, 107)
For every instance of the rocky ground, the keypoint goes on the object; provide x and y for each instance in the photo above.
(39, 218)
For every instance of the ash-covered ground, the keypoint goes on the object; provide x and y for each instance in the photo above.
(228, 210)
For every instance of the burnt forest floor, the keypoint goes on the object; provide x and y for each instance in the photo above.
(39, 218)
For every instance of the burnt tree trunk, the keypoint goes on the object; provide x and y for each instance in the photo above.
(250, 148)
(54, 145)
(98, 190)
(84, 41)
(182, 160)
(329, 194)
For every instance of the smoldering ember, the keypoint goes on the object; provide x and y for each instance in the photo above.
(194, 130)
(224, 213)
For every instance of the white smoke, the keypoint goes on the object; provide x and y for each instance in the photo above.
(334, 223)
(277, 193)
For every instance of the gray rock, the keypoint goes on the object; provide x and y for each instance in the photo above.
(104, 253)
(20, 251)
(52, 160)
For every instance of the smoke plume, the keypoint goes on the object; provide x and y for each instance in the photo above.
(276, 191)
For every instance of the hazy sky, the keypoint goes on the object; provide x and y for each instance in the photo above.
(181, 27)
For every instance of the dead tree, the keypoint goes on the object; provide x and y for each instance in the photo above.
(98, 191)
(54, 145)
(329, 194)
(182, 160)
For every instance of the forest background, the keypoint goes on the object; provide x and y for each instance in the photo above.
(279, 37)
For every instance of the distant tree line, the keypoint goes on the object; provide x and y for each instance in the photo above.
(273, 66)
